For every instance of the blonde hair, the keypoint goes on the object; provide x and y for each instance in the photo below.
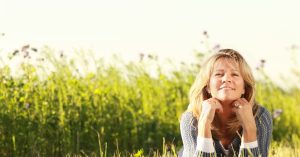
(198, 92)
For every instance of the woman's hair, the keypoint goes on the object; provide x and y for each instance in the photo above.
(198, 92)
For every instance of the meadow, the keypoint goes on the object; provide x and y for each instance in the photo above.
(56, 105)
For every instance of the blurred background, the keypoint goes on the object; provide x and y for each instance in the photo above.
(97, 78)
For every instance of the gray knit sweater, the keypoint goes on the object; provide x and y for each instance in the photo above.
(264, 134)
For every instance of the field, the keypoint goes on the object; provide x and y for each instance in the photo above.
(56, 105)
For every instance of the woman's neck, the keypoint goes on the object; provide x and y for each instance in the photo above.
(227, 114)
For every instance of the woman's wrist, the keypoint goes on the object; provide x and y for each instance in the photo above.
(204, 129)
(249, 134)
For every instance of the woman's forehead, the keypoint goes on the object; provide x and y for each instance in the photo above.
(223, 63)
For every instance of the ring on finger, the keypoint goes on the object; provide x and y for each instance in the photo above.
(237, 105)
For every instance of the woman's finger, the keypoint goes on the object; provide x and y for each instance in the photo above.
(217, 105)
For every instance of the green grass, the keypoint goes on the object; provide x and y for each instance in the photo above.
(62, 106)
(277, 149)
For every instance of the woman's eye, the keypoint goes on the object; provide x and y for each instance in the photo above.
(218, 74)
(235, 74)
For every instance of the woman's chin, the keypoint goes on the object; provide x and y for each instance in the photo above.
(226, 99)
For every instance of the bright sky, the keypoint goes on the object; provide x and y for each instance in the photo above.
(259, 29)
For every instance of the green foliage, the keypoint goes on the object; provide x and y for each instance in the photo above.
(59, 107)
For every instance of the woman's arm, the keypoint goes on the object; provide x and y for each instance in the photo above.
(264, 124)
(249, 145)
(264, 134)
(192, 145)
(204, 144)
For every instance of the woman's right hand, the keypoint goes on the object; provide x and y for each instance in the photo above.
(209, 108)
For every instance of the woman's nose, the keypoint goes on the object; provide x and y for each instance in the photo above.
(226, 78)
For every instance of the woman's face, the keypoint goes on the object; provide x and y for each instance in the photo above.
(226, 82)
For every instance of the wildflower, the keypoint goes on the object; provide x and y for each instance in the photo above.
(205, 34)
(277, 113)
(294, 47)
(141, 56)
(61, 54)
(26, 54)
(25, 47)
(216, 47)
(262, 63)
(150, 56)
(139, 153)
(34, 49)
(15, 52)
(40, 59)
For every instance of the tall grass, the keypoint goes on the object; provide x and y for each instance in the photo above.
(60, 106)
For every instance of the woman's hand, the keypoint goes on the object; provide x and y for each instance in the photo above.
(209, 107)
(243, 110)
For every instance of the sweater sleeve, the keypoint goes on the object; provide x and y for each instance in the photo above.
(265, 127)
(264, 134)
(189, 138)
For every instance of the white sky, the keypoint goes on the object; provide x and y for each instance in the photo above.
(173, 29)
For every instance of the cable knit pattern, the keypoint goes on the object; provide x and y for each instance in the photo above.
(264, 133)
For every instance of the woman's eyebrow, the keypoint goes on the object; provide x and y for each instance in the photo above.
(234, 70)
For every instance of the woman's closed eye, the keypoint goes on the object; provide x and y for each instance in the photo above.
(218, 74)
(235, 74)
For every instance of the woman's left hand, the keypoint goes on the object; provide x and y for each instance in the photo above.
(244, 113)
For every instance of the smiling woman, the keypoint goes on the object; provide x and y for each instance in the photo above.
(223, 118)
(226, 82)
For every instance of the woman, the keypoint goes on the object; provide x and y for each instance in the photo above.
(223, 118)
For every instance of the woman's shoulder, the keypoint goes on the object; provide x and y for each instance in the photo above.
(263, 115)
(188, 120)
(187, 116)
(262, 111)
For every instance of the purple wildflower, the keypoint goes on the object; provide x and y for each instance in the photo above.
(141, 56)
(277, 113)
